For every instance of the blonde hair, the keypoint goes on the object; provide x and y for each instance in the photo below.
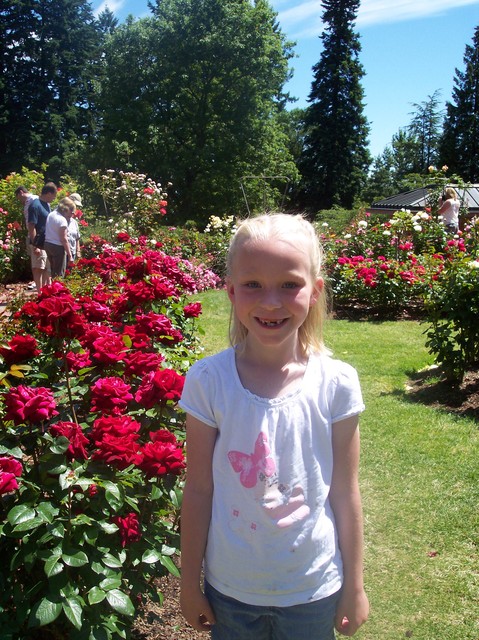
(288, 227)
(450, 194)
(66, 205)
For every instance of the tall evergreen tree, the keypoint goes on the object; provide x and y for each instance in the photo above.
(336, 158)
(48, 47)
(459, 147)
(425, 128)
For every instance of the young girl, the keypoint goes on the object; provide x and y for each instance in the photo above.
(271, 502)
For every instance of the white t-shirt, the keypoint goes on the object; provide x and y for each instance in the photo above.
(272, 538)
(55, 223)
(450, 215)
(73, 234)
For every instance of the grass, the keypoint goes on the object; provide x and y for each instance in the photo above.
(420, 484)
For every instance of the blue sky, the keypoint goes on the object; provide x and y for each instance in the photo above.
(410, 48)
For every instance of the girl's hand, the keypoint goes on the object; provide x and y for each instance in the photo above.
(197, 610)
(352, 612)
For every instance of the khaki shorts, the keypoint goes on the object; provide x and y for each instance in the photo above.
(40, 260)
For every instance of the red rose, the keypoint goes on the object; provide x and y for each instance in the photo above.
(108, 349)
(117, 426)
(73, 432)
(154, 323)
(77, 361)
(128, 528)
(139, 339)
(192, 310)
(19, 349)
(94, 310)
(8, 482)
(159, 387)
(139, 293)
(161, 457)
(57, 316)
(110, 395)
(29, 404)
(10, 465)
(139, 363)
(117, 451)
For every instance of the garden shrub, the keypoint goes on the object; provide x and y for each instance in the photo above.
(91, 443)
(452, 306)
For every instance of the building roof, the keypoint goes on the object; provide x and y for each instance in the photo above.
(416, 199)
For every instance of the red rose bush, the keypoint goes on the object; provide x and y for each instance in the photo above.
(91, 442)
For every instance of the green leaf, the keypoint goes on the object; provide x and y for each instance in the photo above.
(60, 445)
(73, 610)
(96, 595)
(111, 561)
(110, 583)
(168, 563)
(16, 452)
(76, 559)
(120, 602)
(47, 511)
(20, 513)
(108, 527)
(44, 612)
(53, 566)
(113, 495)
(67, 479)
(151, 556)
(28, 525)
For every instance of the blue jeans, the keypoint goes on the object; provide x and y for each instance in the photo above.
(239, 621)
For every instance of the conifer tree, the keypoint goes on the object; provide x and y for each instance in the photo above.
(47, 53)
(459, 148)
(335, 158)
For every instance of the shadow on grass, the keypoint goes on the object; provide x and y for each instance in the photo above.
(431, 388)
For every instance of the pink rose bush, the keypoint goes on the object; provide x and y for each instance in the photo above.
(91, 441)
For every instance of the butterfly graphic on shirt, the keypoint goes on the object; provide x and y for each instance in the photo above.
(253, 466)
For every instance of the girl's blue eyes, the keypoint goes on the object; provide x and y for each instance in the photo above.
(286, 285)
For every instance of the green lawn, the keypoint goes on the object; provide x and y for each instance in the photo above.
(419, 477)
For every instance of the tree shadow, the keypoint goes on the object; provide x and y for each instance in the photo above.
(430, 387)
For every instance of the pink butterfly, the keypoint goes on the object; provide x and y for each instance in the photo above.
(250, 466)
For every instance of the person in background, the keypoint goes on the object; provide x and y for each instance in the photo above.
(57, 245)
(38, 211)
(74, 229)
(26, 198)
(449, 206)
(271, 502)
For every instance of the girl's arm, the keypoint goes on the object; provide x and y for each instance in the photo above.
(353, 607)
(195, 521)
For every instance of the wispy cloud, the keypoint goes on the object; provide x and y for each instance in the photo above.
(303, 19)
(113, 5)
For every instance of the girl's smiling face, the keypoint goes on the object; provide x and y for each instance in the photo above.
(272, 289)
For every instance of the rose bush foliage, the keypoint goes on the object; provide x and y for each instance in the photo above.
(385, 266)
(91, 442)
